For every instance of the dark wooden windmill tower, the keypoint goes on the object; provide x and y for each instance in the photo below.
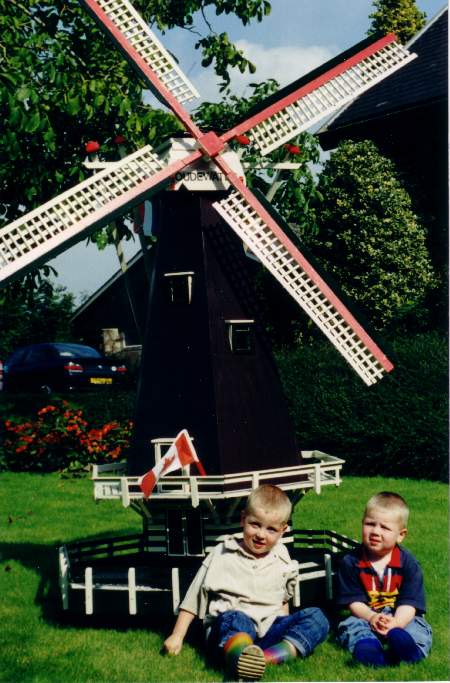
(206, 366)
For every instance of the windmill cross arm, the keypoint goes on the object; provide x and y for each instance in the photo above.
(53, 227)
(322, 92)
(262, 234)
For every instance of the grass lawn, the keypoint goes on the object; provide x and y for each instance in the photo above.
(39, 512)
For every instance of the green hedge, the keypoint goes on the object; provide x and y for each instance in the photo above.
(398, 427)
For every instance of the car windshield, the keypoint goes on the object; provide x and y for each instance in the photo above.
(76, 351)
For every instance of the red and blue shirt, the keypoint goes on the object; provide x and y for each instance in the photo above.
(401, 583)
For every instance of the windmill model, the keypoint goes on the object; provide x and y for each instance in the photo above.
(206, 366)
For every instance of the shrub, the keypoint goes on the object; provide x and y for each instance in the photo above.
(370, 240)
(397, 427)
(60, 438)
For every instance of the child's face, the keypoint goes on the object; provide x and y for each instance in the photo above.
(381, 531)
(262, 530)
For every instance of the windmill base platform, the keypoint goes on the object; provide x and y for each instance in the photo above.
(185, 517)
(123, 576)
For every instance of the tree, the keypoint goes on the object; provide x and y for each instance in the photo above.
(402, 17)
(31, 316)
(369, 238)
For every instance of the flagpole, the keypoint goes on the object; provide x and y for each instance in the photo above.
(201, 469)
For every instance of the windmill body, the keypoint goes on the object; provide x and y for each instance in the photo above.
(206, 365)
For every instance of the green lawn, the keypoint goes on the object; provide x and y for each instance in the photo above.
(38, 512)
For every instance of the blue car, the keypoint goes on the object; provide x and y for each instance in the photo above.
(59, 367)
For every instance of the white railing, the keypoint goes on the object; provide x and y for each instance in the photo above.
(111, 482)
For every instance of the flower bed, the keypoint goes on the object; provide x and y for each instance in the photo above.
(61, 438)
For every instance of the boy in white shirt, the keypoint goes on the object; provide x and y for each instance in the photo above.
(241, 593)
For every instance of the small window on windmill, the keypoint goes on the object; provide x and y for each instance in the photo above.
(179, 287)
(241, 336)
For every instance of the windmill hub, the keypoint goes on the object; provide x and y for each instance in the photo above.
(211, 144)
(204, 175)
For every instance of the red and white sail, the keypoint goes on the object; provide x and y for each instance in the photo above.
(257, 228)
(305, 102)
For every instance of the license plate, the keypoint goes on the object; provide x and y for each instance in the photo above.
(100, 380)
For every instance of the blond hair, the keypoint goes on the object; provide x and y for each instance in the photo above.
(391, 502)
(269, 497)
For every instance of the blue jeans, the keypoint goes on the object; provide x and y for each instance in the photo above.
(353, 629)
(304, 629)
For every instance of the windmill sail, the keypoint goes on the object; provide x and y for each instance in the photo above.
(54, 226)
(258, 230)
(306, 101)
(146, 55)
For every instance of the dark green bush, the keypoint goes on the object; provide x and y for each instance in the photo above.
(398, 427)
(108, 404)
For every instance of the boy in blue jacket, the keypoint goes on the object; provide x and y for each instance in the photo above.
(381, 584)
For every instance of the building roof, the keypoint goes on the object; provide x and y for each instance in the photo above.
(420, 83)
(105, 286)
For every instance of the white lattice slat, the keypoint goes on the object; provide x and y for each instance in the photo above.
(275, 256)
(328, 97)
(46, 229)
(143, 40)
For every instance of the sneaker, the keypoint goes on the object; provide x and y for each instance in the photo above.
(403, 646)
(369, 651)
(251, 664)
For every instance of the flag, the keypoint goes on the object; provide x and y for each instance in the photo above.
(180, 454)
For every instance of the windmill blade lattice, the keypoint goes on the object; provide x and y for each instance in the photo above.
(307, 103)
(146, 54)
(280, 256)
(123, 15)
(54, 226)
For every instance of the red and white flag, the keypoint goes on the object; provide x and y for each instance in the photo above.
(180, 454)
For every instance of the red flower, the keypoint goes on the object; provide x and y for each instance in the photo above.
(91, 146)
(292, 149)
(242, 139)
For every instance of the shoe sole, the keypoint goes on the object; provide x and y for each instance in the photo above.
(251, 664)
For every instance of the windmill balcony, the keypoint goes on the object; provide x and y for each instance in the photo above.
(317, 470)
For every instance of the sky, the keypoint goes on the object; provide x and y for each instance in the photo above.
(296, 37)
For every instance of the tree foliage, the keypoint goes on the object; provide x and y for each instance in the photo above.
(31, 316)
(402, 17)
(62, 83)
(369, 238)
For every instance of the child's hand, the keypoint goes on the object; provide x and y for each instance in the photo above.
(378, 623)
(173, 644)
(382, 623)
(389, 622)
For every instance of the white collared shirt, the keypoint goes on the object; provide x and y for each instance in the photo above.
(230, 578)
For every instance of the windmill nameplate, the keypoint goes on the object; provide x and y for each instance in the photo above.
(204, 176)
